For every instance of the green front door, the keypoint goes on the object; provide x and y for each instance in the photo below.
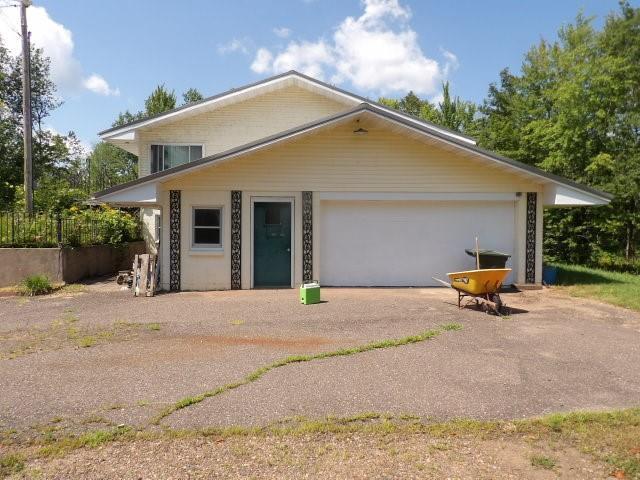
(272, 244)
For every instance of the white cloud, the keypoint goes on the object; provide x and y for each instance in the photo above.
(262, 62)
(99, 85)
(282, 32)
(240, 45)
(451, 61)
(57, 42)
(309, 58)
(376, 52)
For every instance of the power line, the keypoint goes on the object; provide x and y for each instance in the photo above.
(5, 20)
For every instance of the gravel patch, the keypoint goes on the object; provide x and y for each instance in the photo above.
(319, 456)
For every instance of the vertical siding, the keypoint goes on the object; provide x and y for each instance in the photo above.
(241, 123)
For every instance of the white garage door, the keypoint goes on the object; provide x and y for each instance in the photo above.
(398, 243)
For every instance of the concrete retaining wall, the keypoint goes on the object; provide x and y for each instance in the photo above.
(65, 264)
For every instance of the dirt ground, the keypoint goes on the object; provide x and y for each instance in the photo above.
(323, 456)
(78, 361)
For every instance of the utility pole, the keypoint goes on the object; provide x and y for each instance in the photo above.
(26, 107)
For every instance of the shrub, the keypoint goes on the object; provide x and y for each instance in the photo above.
(616, 263)
(117, 227)
(36, 285)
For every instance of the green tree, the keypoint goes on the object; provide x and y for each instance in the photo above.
(452, 113)
(192, 95)
(574, 110)
(49, 148)
(127, 117)
(109, 165)
(160, 101)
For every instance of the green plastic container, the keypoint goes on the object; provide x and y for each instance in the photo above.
(490, 258)
(310, 293)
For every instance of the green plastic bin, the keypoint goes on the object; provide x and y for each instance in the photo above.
(489, 258)
(310, 293)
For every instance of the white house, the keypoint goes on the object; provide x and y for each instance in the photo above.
(291, 179)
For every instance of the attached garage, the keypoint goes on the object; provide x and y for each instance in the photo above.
(406, 243)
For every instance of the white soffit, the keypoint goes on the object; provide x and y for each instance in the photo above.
(561, 196)
(145, 194)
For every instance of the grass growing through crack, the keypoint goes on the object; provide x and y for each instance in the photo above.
(261, 371)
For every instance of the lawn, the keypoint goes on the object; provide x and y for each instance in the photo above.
(621, 289)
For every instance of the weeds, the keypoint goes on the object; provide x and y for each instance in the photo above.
(90, 440)
(87, 341)
(67, 330)
(261, 371)
(35, 285)
(541, 461)
(11, 463)
(610, 437)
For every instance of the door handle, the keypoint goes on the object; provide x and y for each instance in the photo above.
(288, 250)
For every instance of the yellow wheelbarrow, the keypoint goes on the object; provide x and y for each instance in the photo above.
(480, 286)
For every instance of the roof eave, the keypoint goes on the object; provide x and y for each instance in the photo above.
(110, 133)
(545, 177)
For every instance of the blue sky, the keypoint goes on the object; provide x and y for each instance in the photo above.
(109, 55)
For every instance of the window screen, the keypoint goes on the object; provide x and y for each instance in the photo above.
(169, 156)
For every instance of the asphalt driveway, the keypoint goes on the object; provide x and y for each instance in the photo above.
(81, 360)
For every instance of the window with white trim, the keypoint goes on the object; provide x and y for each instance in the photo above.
(168, 156)
(207, 227)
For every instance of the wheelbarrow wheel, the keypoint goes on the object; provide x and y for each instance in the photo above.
(493, 304)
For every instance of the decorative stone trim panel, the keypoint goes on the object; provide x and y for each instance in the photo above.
(530, 256)
(307, 236)
(174, 240)
(236, 240)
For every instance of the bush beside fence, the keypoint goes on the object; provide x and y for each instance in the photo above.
(73, 228)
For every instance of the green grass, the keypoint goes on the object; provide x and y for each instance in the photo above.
(154, 326)
(88, 440)
(35, 285)
(261, 371)
(11, 463)
(622, 289)
(543, 462)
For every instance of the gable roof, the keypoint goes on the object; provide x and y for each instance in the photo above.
(378, 112)
(247, 91)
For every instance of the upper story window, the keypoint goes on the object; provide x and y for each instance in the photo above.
(168, 156)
